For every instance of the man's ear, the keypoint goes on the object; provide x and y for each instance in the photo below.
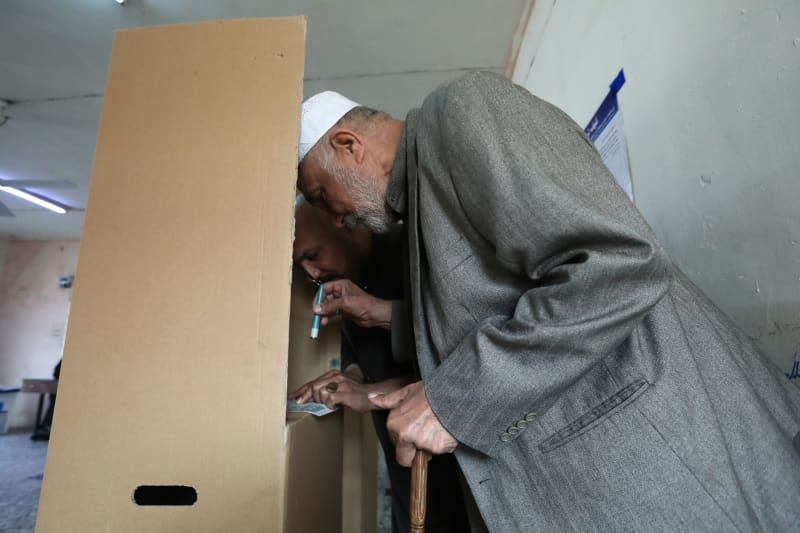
(347, 144)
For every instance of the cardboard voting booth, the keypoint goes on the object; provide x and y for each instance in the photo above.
(171, 413)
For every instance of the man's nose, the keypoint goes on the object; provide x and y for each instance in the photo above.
(312, 271)
(338, 220)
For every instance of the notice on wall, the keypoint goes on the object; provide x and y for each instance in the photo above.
(606, 132)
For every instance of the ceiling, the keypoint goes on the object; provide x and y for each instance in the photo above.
(53, 58)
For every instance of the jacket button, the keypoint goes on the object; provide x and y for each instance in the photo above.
(522, 424)
(530, 416)
(505, 437)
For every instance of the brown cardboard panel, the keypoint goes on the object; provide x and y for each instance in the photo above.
(176, 357)
(313, 445)
(309, 358)
(356, 484)
(314, 471)
(359, 473)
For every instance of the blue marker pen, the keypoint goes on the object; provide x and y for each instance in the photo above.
(315, 322)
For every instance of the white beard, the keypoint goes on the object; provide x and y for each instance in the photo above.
(372, 211)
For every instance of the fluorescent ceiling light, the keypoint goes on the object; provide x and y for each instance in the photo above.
(120, 1)
(34, 199)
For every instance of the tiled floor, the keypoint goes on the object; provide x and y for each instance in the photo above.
(21, 468)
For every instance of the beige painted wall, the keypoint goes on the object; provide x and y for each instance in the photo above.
(33, 314)
(710, 108)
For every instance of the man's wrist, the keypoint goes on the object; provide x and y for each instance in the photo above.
(383, 318)
(354, 372)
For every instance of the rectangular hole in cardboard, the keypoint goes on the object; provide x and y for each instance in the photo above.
(164, 495)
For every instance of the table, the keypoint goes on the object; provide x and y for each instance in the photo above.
(41, 387)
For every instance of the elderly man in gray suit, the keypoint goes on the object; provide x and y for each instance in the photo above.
(583, 382)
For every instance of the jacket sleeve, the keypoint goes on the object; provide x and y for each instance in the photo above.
(536, 193)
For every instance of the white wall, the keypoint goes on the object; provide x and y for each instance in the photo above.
(711, 110)
(3, 248)
(33, 314)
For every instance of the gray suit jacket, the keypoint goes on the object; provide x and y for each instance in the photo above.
(591, 385)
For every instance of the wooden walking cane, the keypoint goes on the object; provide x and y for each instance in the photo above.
(419, 491)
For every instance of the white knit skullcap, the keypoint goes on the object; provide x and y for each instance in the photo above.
(318, 114)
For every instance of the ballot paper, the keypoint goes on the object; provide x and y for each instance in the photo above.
(316, 409)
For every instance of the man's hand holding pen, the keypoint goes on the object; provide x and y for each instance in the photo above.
(345, 298)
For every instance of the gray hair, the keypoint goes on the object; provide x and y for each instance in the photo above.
(360, 119)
